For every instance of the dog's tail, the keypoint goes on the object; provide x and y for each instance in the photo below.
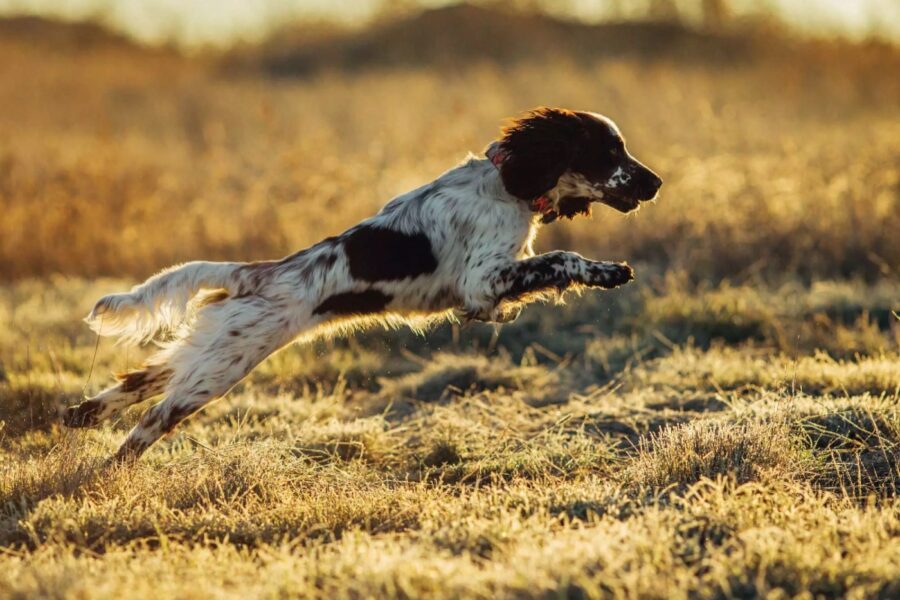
(161, 303)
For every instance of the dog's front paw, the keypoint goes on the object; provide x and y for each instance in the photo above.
(609, 275)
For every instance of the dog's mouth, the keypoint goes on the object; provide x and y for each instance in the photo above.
(627, 202)
(624, 204)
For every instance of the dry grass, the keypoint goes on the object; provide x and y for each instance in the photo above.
(726, 426)
(672, 471)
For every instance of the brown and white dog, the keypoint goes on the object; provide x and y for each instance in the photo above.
(459, 247)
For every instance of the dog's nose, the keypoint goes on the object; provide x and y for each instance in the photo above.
(650, 186)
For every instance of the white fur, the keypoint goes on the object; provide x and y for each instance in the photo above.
(159, 304)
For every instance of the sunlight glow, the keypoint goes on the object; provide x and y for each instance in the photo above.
(223, 22)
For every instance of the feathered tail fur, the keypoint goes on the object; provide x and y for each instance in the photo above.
(160, 303)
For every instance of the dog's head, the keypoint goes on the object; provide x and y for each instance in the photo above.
(573, 158)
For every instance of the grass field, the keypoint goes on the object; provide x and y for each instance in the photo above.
(725, 426)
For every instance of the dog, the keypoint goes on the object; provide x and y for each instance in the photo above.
(459, 248)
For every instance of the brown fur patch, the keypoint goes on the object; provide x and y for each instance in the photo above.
(540, 147)
(135, 381)
(212, 298)
(132, 380)
(569, 208)
(178, 414)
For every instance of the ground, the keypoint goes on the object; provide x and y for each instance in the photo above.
(625, 458)
(727, 425)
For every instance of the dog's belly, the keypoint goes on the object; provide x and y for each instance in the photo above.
(416, 298)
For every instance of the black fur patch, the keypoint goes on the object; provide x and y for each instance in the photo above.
(354, 303)
(379, 254)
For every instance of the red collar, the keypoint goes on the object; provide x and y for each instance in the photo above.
(541, 204)
(496, 156)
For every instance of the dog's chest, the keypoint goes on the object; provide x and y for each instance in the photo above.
(485, 227)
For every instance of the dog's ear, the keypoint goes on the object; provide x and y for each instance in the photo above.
(537, 149)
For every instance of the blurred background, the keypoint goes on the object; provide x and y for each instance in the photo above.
(598, 449)
(138, 134)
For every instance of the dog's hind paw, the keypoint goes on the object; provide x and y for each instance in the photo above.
(86, 414)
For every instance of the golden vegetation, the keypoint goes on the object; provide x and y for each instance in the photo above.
(725, 426)
(121, 162)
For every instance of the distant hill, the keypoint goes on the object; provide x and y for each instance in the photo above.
(464, 33)
(454, 36)
(65, 36)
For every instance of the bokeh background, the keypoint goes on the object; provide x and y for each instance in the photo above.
(778, 149)
(727, 425)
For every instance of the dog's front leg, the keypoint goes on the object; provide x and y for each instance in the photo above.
(555, 272)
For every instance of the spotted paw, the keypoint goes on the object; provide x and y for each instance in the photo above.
(86, 414)
(609, 275)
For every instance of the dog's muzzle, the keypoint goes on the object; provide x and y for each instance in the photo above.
(643, 186)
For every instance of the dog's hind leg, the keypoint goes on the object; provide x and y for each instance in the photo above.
(133, 387)
(229, 341)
